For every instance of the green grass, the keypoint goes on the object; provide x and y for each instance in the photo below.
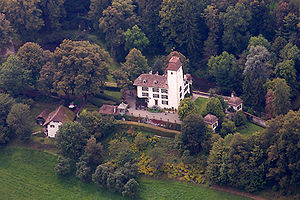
(114, 94)
(201, 104)
(165, 189)
(28, 174)
(249, 129)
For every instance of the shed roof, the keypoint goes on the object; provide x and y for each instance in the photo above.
(174, 63)
(210, 119)
(44, 114)
(109, 109)
(234, 101)
(152, 80)
(61, 114)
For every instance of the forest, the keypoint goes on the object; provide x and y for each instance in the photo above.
(76, 49)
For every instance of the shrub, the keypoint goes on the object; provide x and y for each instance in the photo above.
(63, 166)
(239, 119)
(141, 141)
(131, 188)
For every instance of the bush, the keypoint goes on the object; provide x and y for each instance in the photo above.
(83, 172)
(141, 141)
(131, 188)
(239, 119)
(63, 166)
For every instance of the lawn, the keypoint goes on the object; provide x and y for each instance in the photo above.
(249, 129)
(29, 174)
(200, 103)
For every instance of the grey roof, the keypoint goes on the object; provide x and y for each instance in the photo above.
(152, 80)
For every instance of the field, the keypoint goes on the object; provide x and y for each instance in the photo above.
(200, 104)
(29, 174)
(249, 129)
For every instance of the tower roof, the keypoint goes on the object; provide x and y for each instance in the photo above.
(174, 63)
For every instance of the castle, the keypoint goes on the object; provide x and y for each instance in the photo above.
(164, 91)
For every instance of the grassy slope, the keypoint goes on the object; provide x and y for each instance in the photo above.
(249, 129)
(29, 174)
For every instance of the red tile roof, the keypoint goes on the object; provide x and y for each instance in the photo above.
(61, 114)
(109, 110)
(151, 80)
(234, 101)
(174, 63)
(210, 119)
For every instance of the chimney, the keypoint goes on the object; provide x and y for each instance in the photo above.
(232, 94)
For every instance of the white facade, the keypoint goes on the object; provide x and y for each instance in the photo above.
(167, 97)
(238, 108)
(52, 128)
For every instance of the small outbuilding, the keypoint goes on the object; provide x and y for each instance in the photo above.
(55, 119)
(108, 110)
(212, 121)
(122, 108)
(235, 103)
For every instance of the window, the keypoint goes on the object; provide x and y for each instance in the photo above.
(51, 126)
(144, 94)
(180, 88)
(164, 96)
(155, 95)
(180, 94)
(164, 91)
(155, 89)
(164, 102)
(185, 89)
(171, 73)
(145, 88)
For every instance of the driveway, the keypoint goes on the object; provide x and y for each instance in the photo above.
(165, 116)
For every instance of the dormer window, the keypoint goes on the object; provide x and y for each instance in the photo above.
(155, 82)
(145, 81)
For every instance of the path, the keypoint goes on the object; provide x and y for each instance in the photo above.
(236, 192)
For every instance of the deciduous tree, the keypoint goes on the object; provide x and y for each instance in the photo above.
(135, 38)
(185, 108)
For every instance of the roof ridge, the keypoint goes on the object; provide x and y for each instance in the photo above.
(55, 112)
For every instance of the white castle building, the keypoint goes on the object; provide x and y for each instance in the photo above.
(164, 91)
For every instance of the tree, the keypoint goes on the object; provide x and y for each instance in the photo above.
(194, 133)
(259, 40)
(256, 72)
(287, 71)
(135, 65)
(32, 57)
(63, 166)
(149, 21)
(179, 25)
(96, 9)
(71, 140)
(96, 124)
(116, 19)
(270, 104)
(6, 102)
(83, 172)
(53, 13)
(211, 16)
(228, 127)
(94, 153)
(290, 52)
(80, 68)
(131, 188)
(214, 106)
(14, 79)
(228, 74)
(7, 33)
(24, 15)
(217, 170)
(186, 107)
(20, 121)
(289, 30)
(135, 38)
(282, 95)
(159, 64)
(239, 119)
(282, 138)
(236, 33)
